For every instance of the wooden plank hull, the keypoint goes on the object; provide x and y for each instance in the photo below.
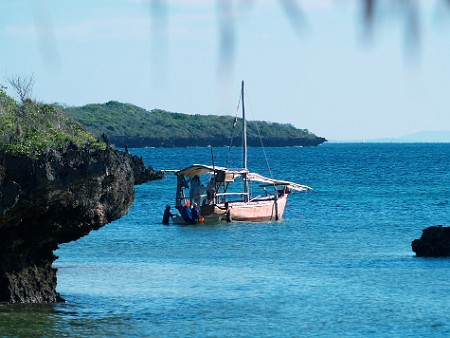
(263, 210)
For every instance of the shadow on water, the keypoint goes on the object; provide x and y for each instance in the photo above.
(57, 320)
(27, 320)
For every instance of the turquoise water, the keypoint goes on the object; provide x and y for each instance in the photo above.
(339, 264)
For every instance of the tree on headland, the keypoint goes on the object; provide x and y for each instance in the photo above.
(23, 86)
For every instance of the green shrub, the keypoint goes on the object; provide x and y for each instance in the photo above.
(33, 128)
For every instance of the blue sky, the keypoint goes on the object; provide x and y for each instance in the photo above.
(324, 74)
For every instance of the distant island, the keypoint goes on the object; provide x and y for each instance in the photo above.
(441, 136)
(128, 125)
(426, 137)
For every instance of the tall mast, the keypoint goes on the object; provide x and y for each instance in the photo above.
(244, 129)
(244, 144)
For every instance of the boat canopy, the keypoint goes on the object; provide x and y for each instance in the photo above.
(270, 181)
(200, 169)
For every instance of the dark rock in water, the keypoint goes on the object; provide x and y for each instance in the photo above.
(55, 199)
(434, 242)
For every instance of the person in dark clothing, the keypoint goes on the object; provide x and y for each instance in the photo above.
(195, 212)
(167, 215)
(228, 213)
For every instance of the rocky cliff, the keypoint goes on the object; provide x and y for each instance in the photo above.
(57, 198)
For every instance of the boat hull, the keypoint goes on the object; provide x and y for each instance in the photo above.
(207, 219)
(262, 210)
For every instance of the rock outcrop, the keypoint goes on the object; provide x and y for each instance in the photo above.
(57, 198)
(434, 242)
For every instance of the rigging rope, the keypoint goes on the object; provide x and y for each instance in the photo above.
(257, 129)
(232, 130)
(260, 140)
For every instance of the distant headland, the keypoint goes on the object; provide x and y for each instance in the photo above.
(129, 125)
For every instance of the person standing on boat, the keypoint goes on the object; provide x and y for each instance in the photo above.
(194, 192)
(167, 215)
(210, 190)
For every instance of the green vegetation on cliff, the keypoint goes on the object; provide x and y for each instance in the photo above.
(31, 128)
(137, 127)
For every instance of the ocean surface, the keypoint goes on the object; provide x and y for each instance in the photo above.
(340, 264)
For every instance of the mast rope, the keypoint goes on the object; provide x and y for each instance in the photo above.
(232, 131)
(260, 139)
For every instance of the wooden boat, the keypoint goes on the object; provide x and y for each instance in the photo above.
(230, 193)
